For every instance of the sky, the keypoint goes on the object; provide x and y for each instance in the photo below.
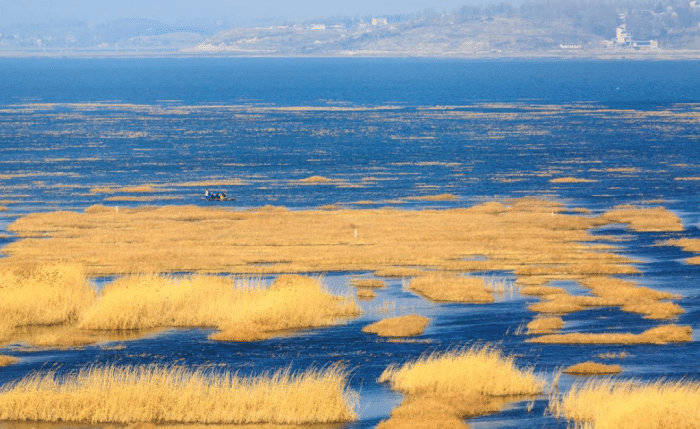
(14, 12)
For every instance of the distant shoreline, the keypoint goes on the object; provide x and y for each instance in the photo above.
(550, 54)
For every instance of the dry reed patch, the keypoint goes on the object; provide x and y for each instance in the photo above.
(366, 294)
(46, 295)
(445, 388)
(451, 288)
(142, 199)
(633, 299)
(243, 310)
(141, 189)
(660, 335)
(399, 272)
(644, 219)
(402, 326)
(7, 360)
(318, 180)
(368, 283)
(563, 303)
(541, 290)
(173, 394)
(439, 197)
(608, 404)
(592, 368)
(528, 236)
(545, 325)
(571, 180)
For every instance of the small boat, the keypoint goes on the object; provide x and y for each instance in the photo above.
(216, 196)
(219, 199)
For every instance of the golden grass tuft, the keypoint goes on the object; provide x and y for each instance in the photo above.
(399, 272)
(174, 394)
(545, 325)
(687, 244)
(660, 335)
(368, 283)
(141, 189)
(243, 310)
(47, 295)
(476, 370)
(315, 180)
(7, 360)
(571, 180)
(443, 389)
(402, 326)
(366, 294)
(644, 219)
(439, 197)
(611, 404)
(592, 368)
(451, 288)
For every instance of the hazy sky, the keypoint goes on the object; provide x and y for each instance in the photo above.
(172, 11)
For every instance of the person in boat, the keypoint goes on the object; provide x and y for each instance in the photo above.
(207, 194)
(222, 196)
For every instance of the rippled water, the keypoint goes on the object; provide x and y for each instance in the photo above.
(74, 133)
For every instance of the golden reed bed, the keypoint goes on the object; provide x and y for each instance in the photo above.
(611, 404)
(240, 309)
(174, 394)
(526, 236)
(443, 389)
(536, 239)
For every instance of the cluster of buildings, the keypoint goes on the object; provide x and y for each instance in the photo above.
(624, 40)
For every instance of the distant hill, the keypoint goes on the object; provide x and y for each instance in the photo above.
(552, 28)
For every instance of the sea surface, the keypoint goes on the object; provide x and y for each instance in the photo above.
(384, 132)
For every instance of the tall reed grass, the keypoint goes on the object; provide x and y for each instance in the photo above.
(242, 310)
(45, 295)
(175, 394)
(611, 404)
(445, 388)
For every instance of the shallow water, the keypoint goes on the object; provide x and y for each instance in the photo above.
(385, 132)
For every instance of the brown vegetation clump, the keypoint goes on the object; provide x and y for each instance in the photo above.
(644, 219)
(451, 288)
(660, 335)
(611, 404)
(402, 326)
(444, 389)
(592, 368)
(545, 325)
(7, 360)
(175, 394)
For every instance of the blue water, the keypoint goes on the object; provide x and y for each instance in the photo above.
(385, 131)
